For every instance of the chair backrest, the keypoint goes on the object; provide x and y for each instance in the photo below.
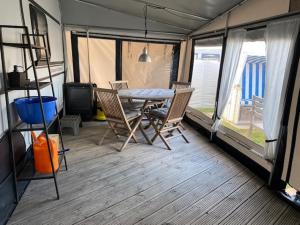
(118, 85)
(180, 85)
(111, 104)
(179, 103)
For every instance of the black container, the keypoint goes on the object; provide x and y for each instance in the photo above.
(79, 100)
(17, 79)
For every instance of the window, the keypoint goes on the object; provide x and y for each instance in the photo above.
(156, 74)
(207, 59)
(39, 27)
(243, 112)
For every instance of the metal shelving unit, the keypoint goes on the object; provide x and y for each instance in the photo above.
(25, 173)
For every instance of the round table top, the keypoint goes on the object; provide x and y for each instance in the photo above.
(146, 94)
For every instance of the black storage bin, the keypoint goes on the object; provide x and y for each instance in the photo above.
(79, 100)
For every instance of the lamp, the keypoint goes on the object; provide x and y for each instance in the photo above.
(145, 57)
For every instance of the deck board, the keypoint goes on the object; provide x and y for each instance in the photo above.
(227, 206)
(290, 216)
(203, 198)
(196, 183)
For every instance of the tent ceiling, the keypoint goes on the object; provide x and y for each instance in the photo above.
(164, 15)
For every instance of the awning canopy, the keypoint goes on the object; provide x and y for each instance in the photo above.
(165, 17)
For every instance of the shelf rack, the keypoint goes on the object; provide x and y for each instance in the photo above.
(27, 171)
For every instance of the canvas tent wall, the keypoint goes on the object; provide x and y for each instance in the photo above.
(101, 59)
(156, 74)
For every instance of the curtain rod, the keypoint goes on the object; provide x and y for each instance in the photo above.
(124, 29)
(172, 36)
(127, 38)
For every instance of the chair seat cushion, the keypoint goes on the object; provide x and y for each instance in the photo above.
(132, 105)
(131, 114)
(160, 113)
(167, 103)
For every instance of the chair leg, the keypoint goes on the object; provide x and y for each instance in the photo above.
(156, 131)
(114, 130)
(154, 138)
(134, 138)
(132, 131)
(170, 132)
(184, 137)
(145, 135)
(125, 143)
(104, 135)
(183, 128)
(165, 141)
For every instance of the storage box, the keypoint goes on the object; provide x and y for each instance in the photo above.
(17, 79)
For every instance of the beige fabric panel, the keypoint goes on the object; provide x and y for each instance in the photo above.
(251, 10)
(102, 61)
(217, 24)
(295, 5)
(181, 60)
(295, 178)
(83, 60)
(254, 10)
(102, 56)
(69, 58)
(291, 124)
(187, 61)
(147, 75)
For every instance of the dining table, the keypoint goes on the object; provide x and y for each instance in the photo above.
(147, 94)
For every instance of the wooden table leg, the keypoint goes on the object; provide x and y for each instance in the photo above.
(141, 127)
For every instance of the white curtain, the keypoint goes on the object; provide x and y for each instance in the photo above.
(280, 41)
(231, 61)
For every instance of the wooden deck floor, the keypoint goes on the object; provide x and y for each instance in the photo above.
(196, 183)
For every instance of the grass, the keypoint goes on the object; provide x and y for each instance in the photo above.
(208, 111)
(257, 135)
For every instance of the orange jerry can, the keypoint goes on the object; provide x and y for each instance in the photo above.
(42, 161)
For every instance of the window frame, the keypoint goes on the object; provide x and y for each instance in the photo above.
(207, 121)
(251, 145)
(35, 15)
(202, 116)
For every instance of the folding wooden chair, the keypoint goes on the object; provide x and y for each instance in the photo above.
(167, 120)
(177, 85)
(180, 85)
(119, 84)
(122, 122)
